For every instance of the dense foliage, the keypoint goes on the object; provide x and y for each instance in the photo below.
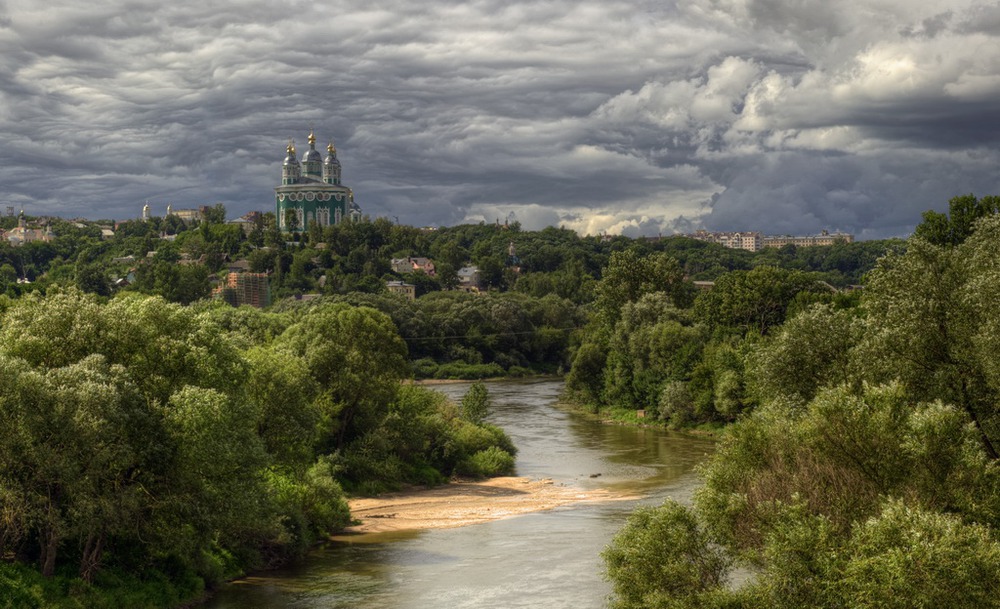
(148, 449)
(654, 345)
(863, 470)
(154, 442)
(177, 259)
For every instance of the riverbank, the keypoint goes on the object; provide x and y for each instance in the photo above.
(465, 503)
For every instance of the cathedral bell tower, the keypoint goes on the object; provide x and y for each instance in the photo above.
(291, 171)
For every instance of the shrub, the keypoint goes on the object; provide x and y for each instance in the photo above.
(676, 404)
(476, 403)
(494, 461)
(459, 370)
(424, 368)
(662, 556)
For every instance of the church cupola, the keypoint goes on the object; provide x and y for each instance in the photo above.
(311, 160)
(290, 170)
(311, 191)
(331, 166)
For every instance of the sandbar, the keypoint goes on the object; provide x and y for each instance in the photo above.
(463, 503)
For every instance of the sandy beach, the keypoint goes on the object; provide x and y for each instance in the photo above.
(463, 503)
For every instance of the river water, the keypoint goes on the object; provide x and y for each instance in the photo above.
(547, 560)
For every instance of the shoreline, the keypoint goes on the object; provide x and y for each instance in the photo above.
(464, 503)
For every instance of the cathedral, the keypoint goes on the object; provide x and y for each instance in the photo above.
(311, 191)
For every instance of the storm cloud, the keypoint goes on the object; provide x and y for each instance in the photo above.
(784, 116)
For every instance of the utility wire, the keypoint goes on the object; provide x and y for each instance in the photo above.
(415, 338)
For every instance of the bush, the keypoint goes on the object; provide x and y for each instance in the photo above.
(459, 370)
(676, 404)
(324, 504)
(662, 556)
(908, 557)
(20, 587)
(476, 403)
(494, 461)
(469, 439)
(424, 368)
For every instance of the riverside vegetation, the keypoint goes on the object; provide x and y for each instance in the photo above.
(153, 443)
(148, 450)
(861, 470)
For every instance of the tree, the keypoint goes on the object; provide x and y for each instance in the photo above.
(281, 389)
(356, 357)
(215, 214)
(754, 300)
(810, 351)
(652, 343)
(91, 278)
(586, 375)
(663, 558)
(162, 346)
(214, 483)
(75, 446)
(911, 557)
(955, 227)
(629, 275)
(476, 403)
(925, 322)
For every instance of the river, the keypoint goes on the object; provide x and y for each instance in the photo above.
(547, 560)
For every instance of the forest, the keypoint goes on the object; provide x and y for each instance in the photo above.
(860, 468)
(154, 442)
(524, 320)
(149, 450)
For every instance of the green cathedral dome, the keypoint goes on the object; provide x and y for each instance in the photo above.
(311, 190)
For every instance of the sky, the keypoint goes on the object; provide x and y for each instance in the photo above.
(617, 117)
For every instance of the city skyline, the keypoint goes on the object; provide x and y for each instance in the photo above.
(620, 117)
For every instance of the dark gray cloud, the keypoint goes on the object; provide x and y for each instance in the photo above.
(637, 117)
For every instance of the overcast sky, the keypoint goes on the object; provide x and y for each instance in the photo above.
(784, 116)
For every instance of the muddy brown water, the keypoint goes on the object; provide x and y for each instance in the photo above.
(547, 560)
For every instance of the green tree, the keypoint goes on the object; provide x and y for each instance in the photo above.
(953, 228)
(281, 389)
(476, 403)
(215, 482)
(662, 557)
(357, 358)
(652, 343)
(214, 214)
(91, 278)
(629, 275)
(755, 300)
(910, 557)
(925, 321)
(75, 444)
(811, 351)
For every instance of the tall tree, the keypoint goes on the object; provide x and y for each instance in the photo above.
(953, 228)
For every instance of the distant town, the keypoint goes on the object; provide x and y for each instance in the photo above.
(754, 241)
(316, 240)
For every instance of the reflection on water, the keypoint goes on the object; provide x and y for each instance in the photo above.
(550, 559)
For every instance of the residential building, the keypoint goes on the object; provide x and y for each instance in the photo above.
(188, 215)
(824, 238)
(248, 221)
(746, 240)
(468, 278)
(413, 265)
(753, 241)
(406, 289)
(245, 289)
(21, 234)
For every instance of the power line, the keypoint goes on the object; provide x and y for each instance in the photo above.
(535, 331)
